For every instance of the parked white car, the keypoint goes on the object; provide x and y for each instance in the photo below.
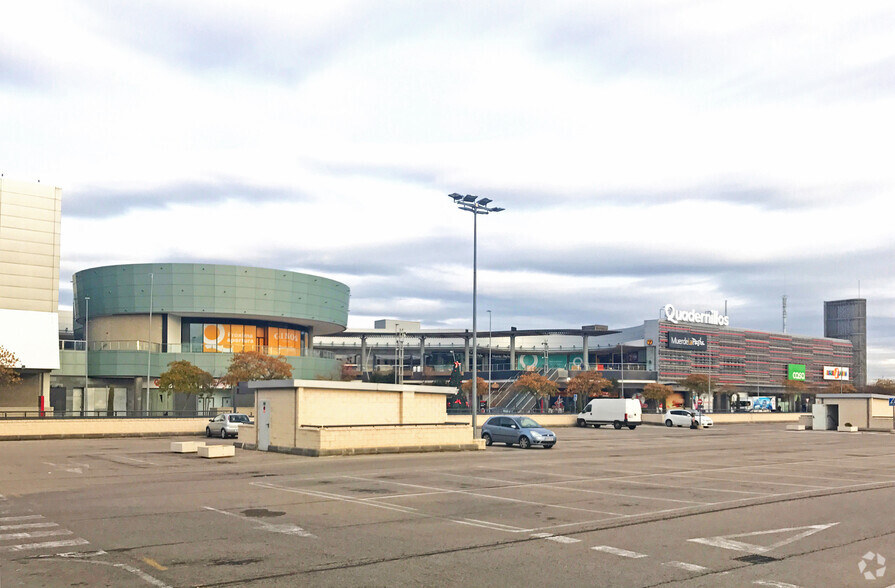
(681, 417)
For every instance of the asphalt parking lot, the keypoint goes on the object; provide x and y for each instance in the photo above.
(737, 505)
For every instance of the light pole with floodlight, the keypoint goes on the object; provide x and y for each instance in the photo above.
(476, 206)
(489, 362)
(86, 353)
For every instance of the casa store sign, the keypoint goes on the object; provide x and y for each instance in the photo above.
(687, 341)
(835, 373)
(797, 372)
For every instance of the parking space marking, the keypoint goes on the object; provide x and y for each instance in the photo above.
(488, 496)
(556, 538)
(729, 541)
(286, 529)
(332, 496)
(774, 584)
(682, 565)
(133, 459)
(619, 552)
(559, 486)
(690, 487)
(127, 568)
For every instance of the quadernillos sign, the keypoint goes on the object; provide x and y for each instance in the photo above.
(693, 316)
(835, 373)
(796, 371)
(687, 341)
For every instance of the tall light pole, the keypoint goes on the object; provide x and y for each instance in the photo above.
(476, 206)
(489, 362)
(86, 353)
(149, 347)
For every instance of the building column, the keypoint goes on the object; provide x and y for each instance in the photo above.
(584, 353)
(422, 356)
(512, 348)
(466, 353)
(363, 355)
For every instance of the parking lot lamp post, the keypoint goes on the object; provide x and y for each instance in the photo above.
(476, 206)
(489, 362)
(86, 353)
(149, 346)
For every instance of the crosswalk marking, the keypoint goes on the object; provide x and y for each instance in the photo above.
(44, 545)
(20, 518)
(33, 535)
(27, 526)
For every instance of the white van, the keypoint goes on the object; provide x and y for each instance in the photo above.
(618, 412)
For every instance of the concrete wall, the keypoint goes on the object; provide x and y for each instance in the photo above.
(22, 395)
(51, 428)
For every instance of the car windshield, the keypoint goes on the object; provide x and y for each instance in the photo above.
(239, 418)
(528, 423)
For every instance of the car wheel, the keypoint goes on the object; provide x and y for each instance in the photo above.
(524, 443)
(581, 423)
(208, 431)
(617, 425)
(668, 423)
(549, 446)
(223, 433)
(487, 439)
(632, 427)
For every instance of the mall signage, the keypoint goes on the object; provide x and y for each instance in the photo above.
(835, 373)
(694, 316)
(796, 371)
(687, 341)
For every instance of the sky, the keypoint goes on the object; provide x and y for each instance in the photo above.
(708, 154)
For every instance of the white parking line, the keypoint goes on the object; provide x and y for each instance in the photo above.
(685, 566)
(286, 529)
(556, 538)
(774, 584)
(489, 496)
(619, 552)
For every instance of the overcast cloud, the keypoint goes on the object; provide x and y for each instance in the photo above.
(694, 153)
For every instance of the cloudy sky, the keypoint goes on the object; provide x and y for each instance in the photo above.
(699, 153)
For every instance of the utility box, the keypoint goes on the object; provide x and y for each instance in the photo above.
(819, 414)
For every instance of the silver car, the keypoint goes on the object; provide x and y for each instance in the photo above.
(226, 425)
(517, 429)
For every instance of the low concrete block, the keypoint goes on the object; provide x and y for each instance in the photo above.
(845, 429)
(217, 451)
(795, 427)
(186, 446)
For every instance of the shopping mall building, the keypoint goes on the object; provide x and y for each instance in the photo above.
(129, 322)
(741, 362)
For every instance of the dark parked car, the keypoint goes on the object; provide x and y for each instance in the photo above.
(521, 430)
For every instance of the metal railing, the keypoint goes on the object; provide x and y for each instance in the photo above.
(144, 346)
(104, 414)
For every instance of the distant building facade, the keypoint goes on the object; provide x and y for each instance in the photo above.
(30, 219)
(847, 319)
